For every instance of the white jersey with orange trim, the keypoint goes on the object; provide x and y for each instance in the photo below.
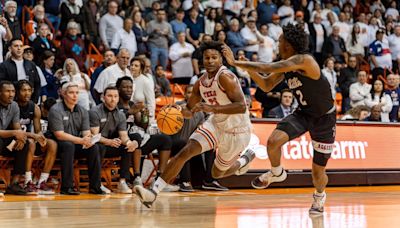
(214, 94)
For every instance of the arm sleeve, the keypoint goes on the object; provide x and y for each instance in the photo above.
(55, 121)
(102, 30)
(173, 53)
(85, 120)
(369, 102)
(122, 122)
(354, 94)
(388, 105)
(99, 85)
(116, 41)
(15, 113)
(94, 118)
(150, 98)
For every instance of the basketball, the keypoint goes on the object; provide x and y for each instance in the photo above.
(169, 120)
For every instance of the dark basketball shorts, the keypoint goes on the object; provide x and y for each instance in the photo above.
(322, 131)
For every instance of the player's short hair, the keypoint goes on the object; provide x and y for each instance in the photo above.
(215, 45)
(3, 83)
(120, 80)
(296, 37)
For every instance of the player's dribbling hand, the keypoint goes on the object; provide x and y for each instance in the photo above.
(203, 107)
(228, 54)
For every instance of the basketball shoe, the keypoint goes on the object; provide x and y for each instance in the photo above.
(268, 178)
(249, 156)
(317, 207)
(146, 196)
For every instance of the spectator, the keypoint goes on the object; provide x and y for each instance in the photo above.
(137, 124)
(210, 21)
(359, 90)
(197, 56)
(195, 27)
(373, 28)
(354, 44)
(344, 27)
(149, 74)
(330, 74)
(10, 129)
(70, 11)
(243, 75)
(5, 34)
(39, 18)
(286, 13)
(346, 78)
(178, 25)
(232, 8)
(139, 28)
(52, 9)
(318, 35)
(109, 24)
(285, 107)
(274, 29)
(160, 33)
(143, 91)
(30, 122)
(235, 40)
(299, 19)
(28, 55)
(91, 15)
(113, 72)
(72, 46)
(393, 91)
(381, 58)
(363, 23)
(357, 113)
(266, 10)
(375, 115)
(109, 59)
(72, 74)
(162, 82)
(329, 22)
(251, 36)
(107, 120)
(220, 36)
(394, 46)
(334, 46)
(42, 43)
(379, 98)
(172, 9)
(180, 54)
(392, 11)
(125, 38)
(152, 15)
(52, 78)
(13, 22)
(16, 68)
(70, 124)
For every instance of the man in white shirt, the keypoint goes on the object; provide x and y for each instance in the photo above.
(180, 54)
(109, 24)
(252, 36)
(394, 45)
(267, 49)
(286, 13)
(111, 74)
(360, 90)
(274, 29)
(125, 38)
(363, 23)
(5, 34)
(345, 29)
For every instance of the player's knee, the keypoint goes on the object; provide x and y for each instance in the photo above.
(274, 141)
(51, 148)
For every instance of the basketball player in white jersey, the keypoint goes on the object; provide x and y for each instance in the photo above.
(228, 128)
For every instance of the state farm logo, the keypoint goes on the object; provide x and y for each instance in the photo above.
(303, 149)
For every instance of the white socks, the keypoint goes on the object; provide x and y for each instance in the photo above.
(28, 177)
(277, 171)
(43, 178)
(122, 181)
(319, 194)
(159, 185)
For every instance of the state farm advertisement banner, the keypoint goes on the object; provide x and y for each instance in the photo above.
(356, 147)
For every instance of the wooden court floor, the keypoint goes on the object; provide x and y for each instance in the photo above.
(345, 207)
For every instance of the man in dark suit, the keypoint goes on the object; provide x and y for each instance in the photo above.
(285, 107)
(17, 68)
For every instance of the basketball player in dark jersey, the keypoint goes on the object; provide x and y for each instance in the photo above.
(316, 112)
(30, 122)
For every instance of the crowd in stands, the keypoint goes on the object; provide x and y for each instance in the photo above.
(44, 62)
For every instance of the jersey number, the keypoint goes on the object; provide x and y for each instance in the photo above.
(213, 101)
(301, 98)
